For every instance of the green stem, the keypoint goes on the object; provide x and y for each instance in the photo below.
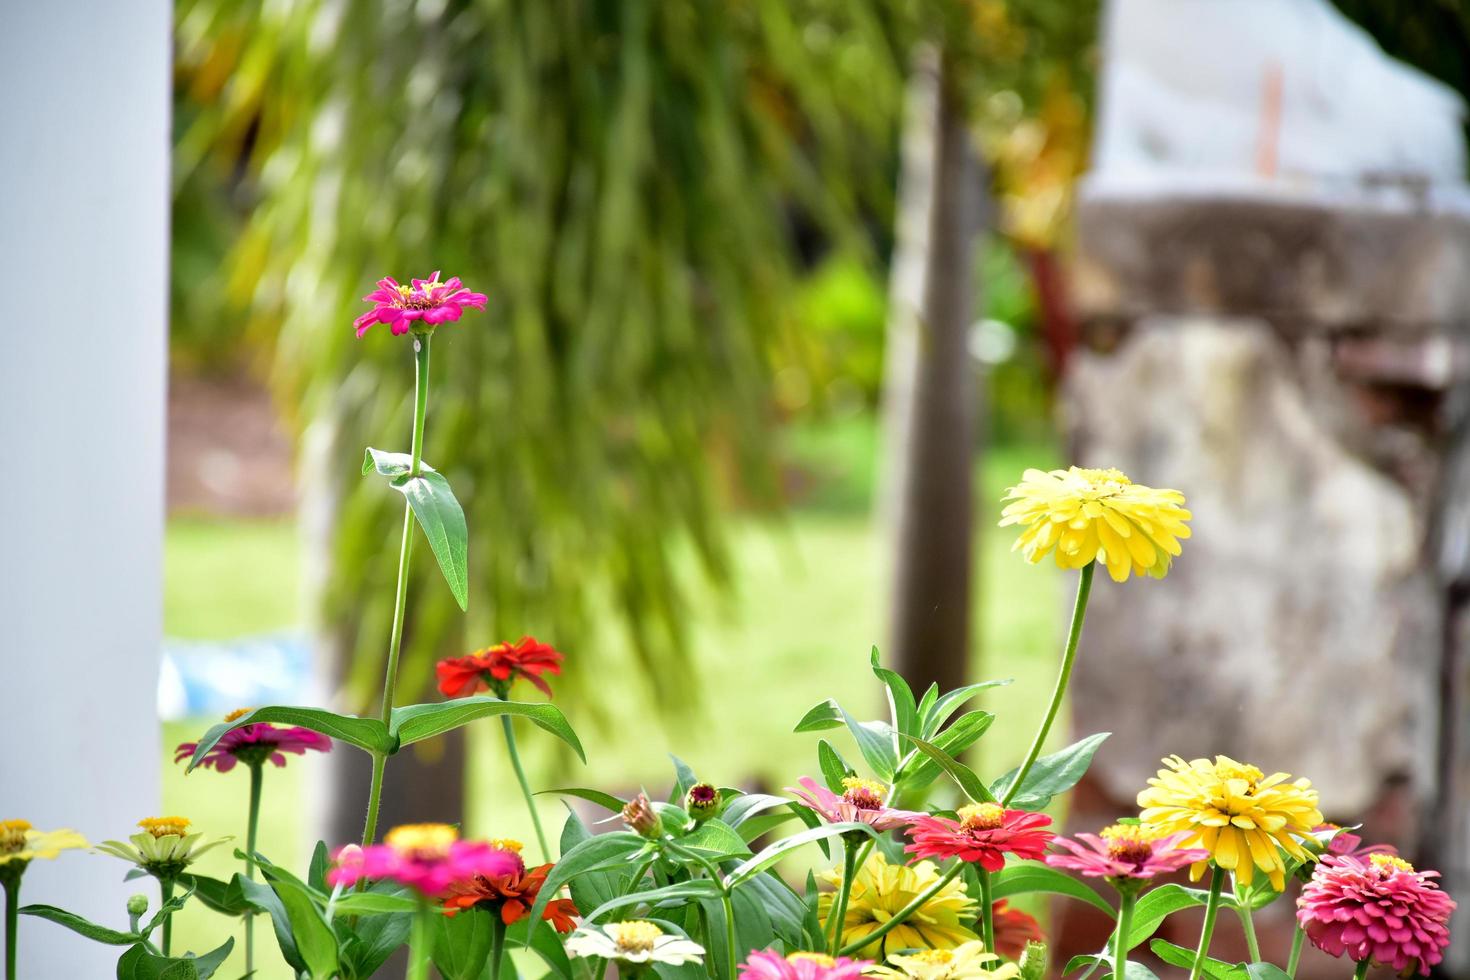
(405, 552)
(1362, 970)
(726, 905)
(257, 771)
(987, 910)
(1069, 655)
(1250, 931)
(903, 913)
(844, 891)
(12, 922)
(165, 893)
(515, 762)
(1212, 908)
(418, 944)
(497, 946)
(1298, 937)
(1126, 901)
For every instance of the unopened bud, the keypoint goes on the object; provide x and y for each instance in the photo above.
(639, 815)
(1033, 961)
(703, 801)
(137, 904)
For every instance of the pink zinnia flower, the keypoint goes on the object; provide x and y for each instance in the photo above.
(428, 302)
(862, 801)
(428, 858)
(1345, 843)
(766, 965)
(253, 744)
(985, 834)
(1379, 909)
(1122, 851)
(1013, 930)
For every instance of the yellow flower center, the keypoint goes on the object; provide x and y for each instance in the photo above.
(1387, 864)
(865, 794)
(821, 959)
(506, 844)
(634, 937)
(426, 840)
(934, 957)
(410, 301)
(165, 826)
(13, 835)
(238, 713)
(1227, 768)
(1101, 483)
(1130, 842)
(982, 816)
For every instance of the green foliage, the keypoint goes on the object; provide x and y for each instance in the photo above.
(82, 926)
(1052, 774)
(436, 510)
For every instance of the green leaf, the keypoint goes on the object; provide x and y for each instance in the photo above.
(875, 740)
(834, 767)
(224, 897)
(600, 853)
(365, 733)
(437, 512)
(1265, 971)
(81, 926)
(371, 903)
(461, 943)
(316, 871)
(774, 852)
(901, 707)
(141, 963)
(683, 779)
(934, 719)
(1184, 959)
(416, 722)
(952, 741)
(370, 940)
(743, 807)
(694, 888)
(716, 841)
(969, 783)
(605, 800)
(820, 717)
(315, 941)
(1051, 776)
(266, 900)
(1024, 879)
(926, 705)
(546, 944)
(1155, 906)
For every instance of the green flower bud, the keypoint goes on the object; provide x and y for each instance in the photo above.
(137, 904)
(1033, 961)
(703, 801)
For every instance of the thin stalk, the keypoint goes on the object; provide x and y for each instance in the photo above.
(1064, 676)
(257, 771)
(987, 910)
(405, 553)
(515, 762)
(903, 913)
(727, 906)
(12, 921)
(165, 893)
(1212, 909)
(1362, 970)
(1126, 900)
(497, 947)
(844, 891)
(1298, 937)
(1250, 932)
(418, 944)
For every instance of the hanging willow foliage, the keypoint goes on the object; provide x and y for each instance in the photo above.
(628, 181)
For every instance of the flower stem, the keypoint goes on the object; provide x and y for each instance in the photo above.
(1069, 655)
(1126, 901)
(418, 944)
(12, 921)
(257, 772)
(903, 913)
(165, 894)
(1212, 909)
(1250, 933)
(497, 945)
(987, 910)
(405, 552)
(515, 762)
(844, 891)
(1362, 970)
(1298, 937)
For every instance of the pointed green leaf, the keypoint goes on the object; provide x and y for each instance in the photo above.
(1266, 971)
(600, 853)
(1023, 879)
(954, 740)
(902, 710)
(1157, 905)
(932, 720)
(461, 943)
(605, 800)
(1184, 959)
(694, 888)
(969, 783)
(716, 841)
(875, 741)
(1051, 776)
(416, 722)
(776, 851)
(84, 927)
(371, 903)
(834, 767)
(365, 733)
(820, 717)
(314, 939)
(435, 509)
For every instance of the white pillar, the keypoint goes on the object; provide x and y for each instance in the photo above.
(84, 163)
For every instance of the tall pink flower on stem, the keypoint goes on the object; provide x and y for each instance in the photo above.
(1377, 910)
(428, 858)
(255, 744)
(767, 965)
(1125, 851)
(862, 801)
(420, 307)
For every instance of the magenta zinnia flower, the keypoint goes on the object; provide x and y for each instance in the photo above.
(985, 834)
(1122, 851)
(421, 306)
(766, 965)
(1380, 909)
(427, 857)
(254, 744)
(862, 801)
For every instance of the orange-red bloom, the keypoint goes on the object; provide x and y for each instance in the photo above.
(1013, 930)
(496, 668)
(511, 895)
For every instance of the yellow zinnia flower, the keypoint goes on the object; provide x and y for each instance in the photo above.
(19, 841)
(1244, 819)
(882, 889)
(1084, 515)
(967, 961)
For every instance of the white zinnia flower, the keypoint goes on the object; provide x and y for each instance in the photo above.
(634, 942)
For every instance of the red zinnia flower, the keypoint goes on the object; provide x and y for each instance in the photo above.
(497, 667)
(1013, 930)
(1378, 909)
(254, 744)
(985, 833)
(428, 302)
(511, 892)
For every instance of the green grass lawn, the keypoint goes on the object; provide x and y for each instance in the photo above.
(808, 604)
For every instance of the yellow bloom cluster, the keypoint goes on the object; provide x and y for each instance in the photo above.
(882, 889)
(19, 841)
(967, 961)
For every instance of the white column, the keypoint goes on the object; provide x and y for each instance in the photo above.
(84, 163)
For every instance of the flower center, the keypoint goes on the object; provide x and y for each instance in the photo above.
(821, 959)
(634, 937)
(412, 299)
(238, 713)
(1101, 483)
(422, 840)
(13, 835)
(165, 826)
(934, 957)
(507, 844)
(865, 794)
(982, 816)
(1227, 768)
(1388, 864)
(1130, 842)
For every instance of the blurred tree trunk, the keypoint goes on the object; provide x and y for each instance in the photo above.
(929, 398)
